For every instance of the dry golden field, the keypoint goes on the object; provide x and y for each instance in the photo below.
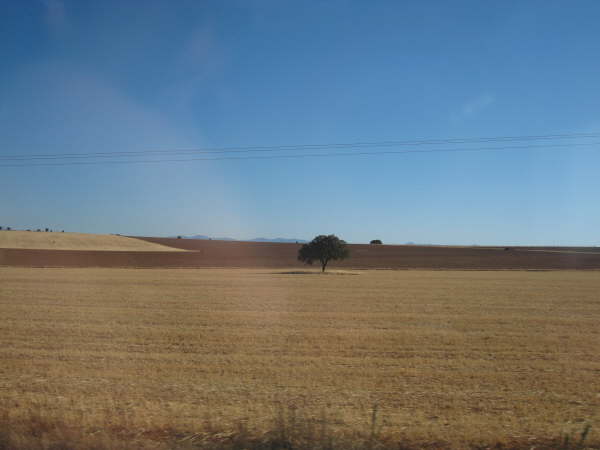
(158, 358)
(77, 241)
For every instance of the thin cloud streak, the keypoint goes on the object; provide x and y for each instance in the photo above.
(477, 105)
(55, 15)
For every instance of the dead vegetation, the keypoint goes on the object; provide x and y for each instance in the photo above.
(110, 358)
(49, 240)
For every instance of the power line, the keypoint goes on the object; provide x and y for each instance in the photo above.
(309, 155)
(297, 147)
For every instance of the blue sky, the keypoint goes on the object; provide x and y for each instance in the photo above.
(94, 76)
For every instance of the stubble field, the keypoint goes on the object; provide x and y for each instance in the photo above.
(159, 358)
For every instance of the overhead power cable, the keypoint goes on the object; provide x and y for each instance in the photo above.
(313, 155)
(298, 147)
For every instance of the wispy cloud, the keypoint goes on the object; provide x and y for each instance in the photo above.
(55, 15)
(593, 127)
(199, 59)
(63, 108)
(477, 105)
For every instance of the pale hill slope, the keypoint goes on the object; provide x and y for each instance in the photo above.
(78, 241)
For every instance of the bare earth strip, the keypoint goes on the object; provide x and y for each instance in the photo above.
(77, 241)
(452, 359)
(202, 253)
(563, 251)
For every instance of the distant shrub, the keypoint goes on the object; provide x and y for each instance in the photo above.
(376, 241)
(178, 237)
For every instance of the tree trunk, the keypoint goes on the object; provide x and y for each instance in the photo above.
(323, 265)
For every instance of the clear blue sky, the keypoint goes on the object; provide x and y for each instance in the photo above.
(91, 76)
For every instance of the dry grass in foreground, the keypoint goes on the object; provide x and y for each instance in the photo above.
(125, 358)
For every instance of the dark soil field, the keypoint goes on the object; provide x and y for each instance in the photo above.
(212, 253)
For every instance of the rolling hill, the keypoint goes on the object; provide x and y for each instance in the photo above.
(77, 241)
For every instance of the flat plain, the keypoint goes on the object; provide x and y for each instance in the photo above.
(433, 359)
(213, 253)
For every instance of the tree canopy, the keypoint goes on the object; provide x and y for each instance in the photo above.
(323, 249)
(376, 241)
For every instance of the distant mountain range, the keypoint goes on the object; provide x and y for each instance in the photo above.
(260, 239)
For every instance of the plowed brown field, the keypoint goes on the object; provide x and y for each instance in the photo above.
(207, 253)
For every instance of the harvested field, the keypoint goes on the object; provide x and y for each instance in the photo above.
(76, 241)
(204, 253)
(124, 358)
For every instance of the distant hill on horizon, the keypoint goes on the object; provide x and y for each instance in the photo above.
(259, 239)
(289, 240)
(202, 236)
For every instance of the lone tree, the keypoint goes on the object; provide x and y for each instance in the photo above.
(323, 249)
(376, 241)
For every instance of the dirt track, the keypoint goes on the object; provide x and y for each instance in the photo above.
(260, 254)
